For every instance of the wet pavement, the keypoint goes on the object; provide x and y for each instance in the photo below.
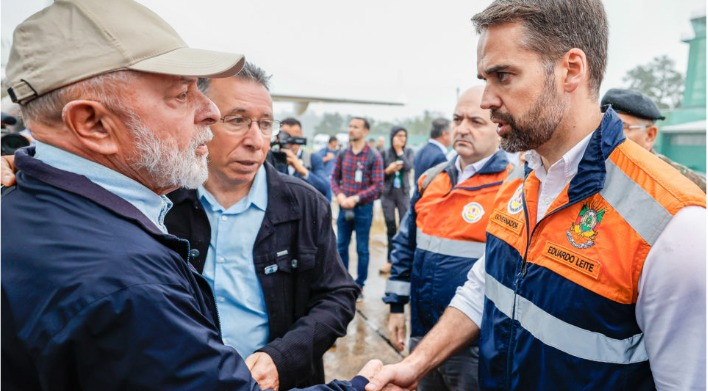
(367, 334)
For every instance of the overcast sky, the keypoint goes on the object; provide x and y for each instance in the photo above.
(418, 52)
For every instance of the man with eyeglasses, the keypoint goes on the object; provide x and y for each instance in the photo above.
(264, 242)
(639, 113)
(96, 294)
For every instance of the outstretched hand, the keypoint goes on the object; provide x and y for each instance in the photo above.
(394, 377)
(371, 369)
(263, 370)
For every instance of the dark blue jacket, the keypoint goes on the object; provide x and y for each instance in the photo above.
(428, 276)
(428, 156)
(95, 297)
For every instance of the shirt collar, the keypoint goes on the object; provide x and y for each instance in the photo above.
(152, 205)
(257, 196)
(439, 144)
(568, 163)
(471, 169)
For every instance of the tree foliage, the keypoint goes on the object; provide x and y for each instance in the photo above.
(331, 123)
(658, 80)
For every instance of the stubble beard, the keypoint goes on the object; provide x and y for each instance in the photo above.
(537, 126)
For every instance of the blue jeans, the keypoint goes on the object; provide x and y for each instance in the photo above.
(361, 224)
(459, 372)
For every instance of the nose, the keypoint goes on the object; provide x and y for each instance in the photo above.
(253, 137)
(207, 113)
(463, 128)
(490, 100)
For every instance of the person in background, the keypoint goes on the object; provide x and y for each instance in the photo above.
(380, 144)
(328, 154)
(443, 235)
(435, 151)
(357, 180)
(302, 163)
(371, 143)
(594, 273)
(398, 163)
(639, 114)
(96, 295)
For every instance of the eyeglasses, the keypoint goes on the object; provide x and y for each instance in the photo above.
(627, 127)
(240, 125)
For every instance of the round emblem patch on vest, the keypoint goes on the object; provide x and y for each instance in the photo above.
(516, 203)
(472, 212)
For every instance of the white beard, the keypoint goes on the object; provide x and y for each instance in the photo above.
(167, 165)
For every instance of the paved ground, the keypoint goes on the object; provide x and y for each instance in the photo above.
(367, 335)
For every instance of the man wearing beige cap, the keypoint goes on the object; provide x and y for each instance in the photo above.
(95, 294)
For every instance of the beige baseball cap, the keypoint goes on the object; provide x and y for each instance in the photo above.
(72, 40)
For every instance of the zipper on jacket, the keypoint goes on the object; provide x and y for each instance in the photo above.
(521, 274)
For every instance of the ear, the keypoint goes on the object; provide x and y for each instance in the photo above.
(575, 69)
(93, 125)
(652, 132)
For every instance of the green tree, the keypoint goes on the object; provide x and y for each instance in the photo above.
(331, 123)
(658, 80)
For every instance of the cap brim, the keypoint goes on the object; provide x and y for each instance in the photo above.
(193, 62)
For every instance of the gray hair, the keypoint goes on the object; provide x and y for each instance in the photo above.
(553, 27)
(440, 125)
(249, 72)
(48, 108)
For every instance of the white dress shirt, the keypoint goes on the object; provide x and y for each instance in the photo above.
(471, 169)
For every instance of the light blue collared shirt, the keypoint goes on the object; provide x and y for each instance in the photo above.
(152, 205)
(230, 270)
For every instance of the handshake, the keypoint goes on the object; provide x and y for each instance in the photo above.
(400, 376)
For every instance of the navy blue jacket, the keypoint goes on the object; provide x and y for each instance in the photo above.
(428, 156)
(429, 277)
(95, 297)
(310, 299)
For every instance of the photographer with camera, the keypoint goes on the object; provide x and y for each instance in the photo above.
(288, 157)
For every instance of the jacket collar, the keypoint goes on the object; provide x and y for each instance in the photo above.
(282, 204)
(590, 178)
(82, 186)
(497, 163)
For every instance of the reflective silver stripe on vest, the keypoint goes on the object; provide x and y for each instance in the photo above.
(451, 247)
(570, 339)
(643, 213)
(400, 288)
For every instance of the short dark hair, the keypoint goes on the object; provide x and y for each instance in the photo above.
(555, 26)
(440, 125)
(249, 71)
(332, 138)
(290, 121)
(366, 123)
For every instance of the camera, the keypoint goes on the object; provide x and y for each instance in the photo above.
(11, 142)
(282, 139)
(278, 158)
